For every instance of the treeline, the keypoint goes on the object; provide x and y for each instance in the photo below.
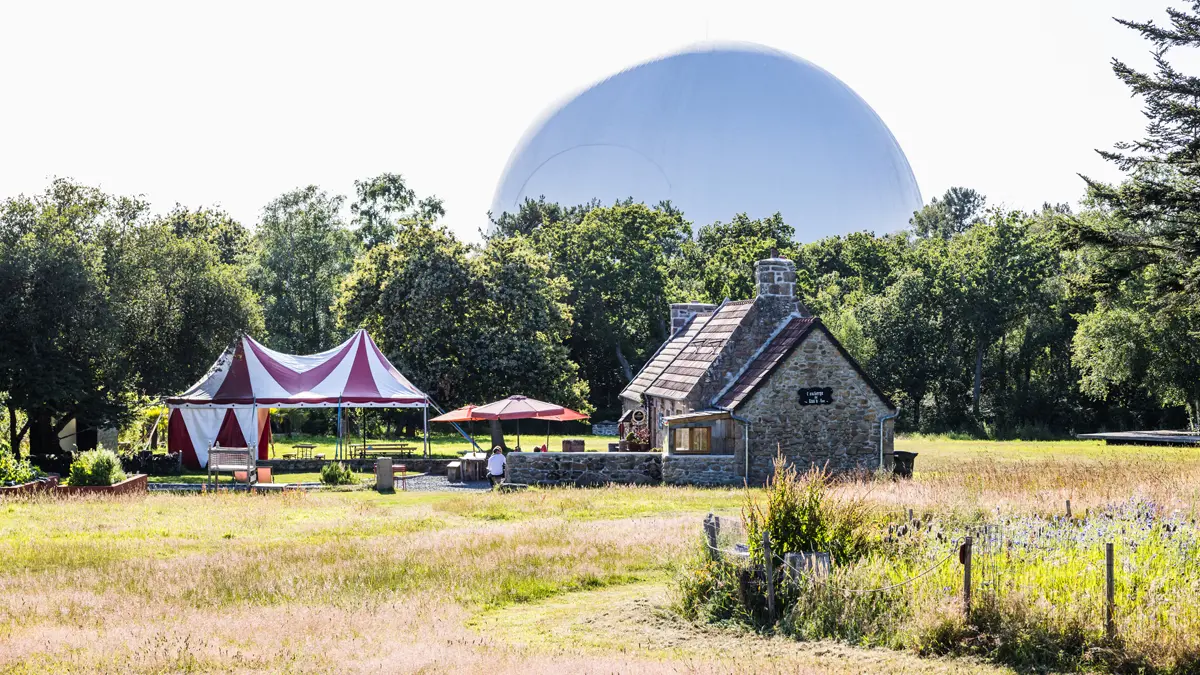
(976, 320)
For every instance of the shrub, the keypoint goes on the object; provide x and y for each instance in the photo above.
(97, 467)
(337, 473)
(16, 471)
(801, 516)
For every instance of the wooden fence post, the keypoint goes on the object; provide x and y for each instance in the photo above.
(1110, 629)
(710, 535)
(769, 568)
(1068, 508)
(966, 561)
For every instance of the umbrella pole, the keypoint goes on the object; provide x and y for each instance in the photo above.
(518, 433)
(547, 435)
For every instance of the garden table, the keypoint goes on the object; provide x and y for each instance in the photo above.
(474, 466)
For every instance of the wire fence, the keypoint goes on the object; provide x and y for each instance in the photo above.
(1057, 567)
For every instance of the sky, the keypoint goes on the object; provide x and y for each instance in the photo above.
(230, 104)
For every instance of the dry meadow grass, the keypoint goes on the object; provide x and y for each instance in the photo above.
(539, 582)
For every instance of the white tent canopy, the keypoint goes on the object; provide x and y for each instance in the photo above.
(353, 374)
(249, 377)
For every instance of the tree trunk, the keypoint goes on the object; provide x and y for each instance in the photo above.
(497, 434)
(625, 369)
(15, 436)
(978, 378)
(42, 439)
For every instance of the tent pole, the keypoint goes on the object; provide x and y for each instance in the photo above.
(425, 412)
(337, 450)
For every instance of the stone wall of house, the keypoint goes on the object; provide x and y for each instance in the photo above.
(705, 470)
(841, 436)
(585, 468)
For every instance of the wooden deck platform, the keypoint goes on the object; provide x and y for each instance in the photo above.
(1145, 437)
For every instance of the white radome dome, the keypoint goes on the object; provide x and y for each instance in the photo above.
(720, 130)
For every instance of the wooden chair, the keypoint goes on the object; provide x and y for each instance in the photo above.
(233, 460)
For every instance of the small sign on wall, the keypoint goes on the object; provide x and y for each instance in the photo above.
(816, 395)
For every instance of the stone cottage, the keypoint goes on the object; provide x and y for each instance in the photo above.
(739, 381)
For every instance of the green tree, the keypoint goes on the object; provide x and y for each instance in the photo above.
(725, 254)
(905, 324)
(382, 202)
(994, 268)
(232, 240)
(532, 215)
(1157, 210)
(619, 260)
(955, 213)
(103, 309)
(523, 323)
(305, 250)
(177, 301)
(1134, 335)
(468, 326)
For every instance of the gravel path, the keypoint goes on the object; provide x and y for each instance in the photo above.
(428, 483)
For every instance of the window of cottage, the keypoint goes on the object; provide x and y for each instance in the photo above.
(693, 440)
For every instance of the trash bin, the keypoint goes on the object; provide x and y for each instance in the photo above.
(903, 463)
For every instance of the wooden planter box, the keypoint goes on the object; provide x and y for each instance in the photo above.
(131, 485)
(35, 487)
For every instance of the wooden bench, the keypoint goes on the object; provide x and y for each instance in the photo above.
(454, 472)
(233, 460)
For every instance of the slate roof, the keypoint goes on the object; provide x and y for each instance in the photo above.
(771, 355)
(775, 352)
(684, 371)
(664, 356)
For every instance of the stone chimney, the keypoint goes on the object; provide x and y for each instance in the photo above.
(775, 276)
(681, 312)
(776, 281)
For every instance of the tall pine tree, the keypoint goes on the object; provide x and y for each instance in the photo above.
(1157, 207)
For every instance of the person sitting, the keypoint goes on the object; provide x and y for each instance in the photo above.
(495, 466)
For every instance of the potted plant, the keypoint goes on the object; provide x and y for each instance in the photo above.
(638, 439)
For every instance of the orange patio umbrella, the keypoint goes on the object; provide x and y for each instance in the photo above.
(463, 414)
(522, 408)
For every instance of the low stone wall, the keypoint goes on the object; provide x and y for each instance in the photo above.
(584, 468)
(418, 464)
(704, 470)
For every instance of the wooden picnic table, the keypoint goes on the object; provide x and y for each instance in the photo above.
(380, 449)
(474, 466)
(304, 450)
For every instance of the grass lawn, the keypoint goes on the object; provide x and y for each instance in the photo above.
(541, 581)
(441, 445)
(939, 451)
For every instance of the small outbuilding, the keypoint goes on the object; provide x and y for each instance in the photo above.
(739, 382)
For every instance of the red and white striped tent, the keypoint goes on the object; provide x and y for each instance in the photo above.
(230, 404)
